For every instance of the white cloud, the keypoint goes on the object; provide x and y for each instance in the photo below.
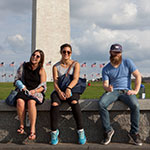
(16, 42)
(114, 14)
(16, 39)
(143, 6)
(15, 48)
(76, 50)
(94, 44)
(126, 16)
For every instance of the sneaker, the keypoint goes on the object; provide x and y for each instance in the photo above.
(54, 137)
(81, 137)
(107, 137)
(136, 139)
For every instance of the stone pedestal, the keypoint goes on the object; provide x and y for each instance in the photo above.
(50, 29)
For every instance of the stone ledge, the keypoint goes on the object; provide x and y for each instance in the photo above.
(119, 118)
(86, 105)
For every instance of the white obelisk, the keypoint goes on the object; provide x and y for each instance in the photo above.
(50, 29)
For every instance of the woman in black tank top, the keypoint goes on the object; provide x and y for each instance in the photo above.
(32, 77)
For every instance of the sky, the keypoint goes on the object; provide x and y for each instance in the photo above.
(95, 25)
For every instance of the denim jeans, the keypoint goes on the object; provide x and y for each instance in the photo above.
(130, 100)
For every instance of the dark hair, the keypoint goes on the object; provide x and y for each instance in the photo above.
(65, 45)
(41, 57)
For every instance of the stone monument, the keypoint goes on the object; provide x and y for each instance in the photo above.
(50, 29)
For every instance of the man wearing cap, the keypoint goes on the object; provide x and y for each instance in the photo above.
(116, 77)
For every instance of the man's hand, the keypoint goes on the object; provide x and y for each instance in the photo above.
(110, 88)
(132, 92)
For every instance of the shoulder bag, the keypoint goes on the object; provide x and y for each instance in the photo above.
(11, 99)
(64, 81)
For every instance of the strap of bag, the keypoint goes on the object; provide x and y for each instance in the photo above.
(70, 68)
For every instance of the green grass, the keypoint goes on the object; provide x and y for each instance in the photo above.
(92, 92)
(5, 89)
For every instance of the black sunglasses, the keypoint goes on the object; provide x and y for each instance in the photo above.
(37, 56)
(116, 52)
(68, 52)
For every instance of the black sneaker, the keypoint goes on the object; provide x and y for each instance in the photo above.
(107, 137)
(136, 139)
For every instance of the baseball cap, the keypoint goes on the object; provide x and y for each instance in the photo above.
(116, 48)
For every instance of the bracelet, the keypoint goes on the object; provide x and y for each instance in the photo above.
(69, 88)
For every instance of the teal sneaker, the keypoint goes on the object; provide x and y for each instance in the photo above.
(54, 137)
(81, 137)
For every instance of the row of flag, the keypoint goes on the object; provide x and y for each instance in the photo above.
(84, 75)
(92, 75)
(93, 65)
(11, 64)
(83, 65)
(9, 75)
(49, 64)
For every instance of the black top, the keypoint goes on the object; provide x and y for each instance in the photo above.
(31, 77)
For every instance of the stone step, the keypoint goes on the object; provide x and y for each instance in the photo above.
(68, 146)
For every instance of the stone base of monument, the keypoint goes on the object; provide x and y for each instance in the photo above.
(119, 116)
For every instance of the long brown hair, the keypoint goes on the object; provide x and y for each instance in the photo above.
(41, 57)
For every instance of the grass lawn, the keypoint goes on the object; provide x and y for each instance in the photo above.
(92, 92)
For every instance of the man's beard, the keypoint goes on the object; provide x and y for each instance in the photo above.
(115, 60)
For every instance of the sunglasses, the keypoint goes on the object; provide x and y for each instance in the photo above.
(37, 56)
(68, 52)
(116, 52)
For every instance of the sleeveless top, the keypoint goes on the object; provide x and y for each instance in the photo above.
(31, 77)
(61, 70)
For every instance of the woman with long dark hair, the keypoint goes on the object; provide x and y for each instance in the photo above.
(31, 82)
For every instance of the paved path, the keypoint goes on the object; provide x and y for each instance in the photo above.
(68, 146)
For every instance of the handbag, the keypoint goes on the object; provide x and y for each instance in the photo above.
(11, 99)
(64, 81)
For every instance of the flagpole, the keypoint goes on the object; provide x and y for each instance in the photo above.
(14, 71)
(4, 73)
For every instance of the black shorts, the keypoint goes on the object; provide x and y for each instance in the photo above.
(23, 96)
(55, 98)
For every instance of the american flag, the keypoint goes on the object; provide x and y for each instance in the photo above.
(102, 65)
(93, 65)
(98, 74)
(11, 75)
(4, 75)
(12, 64)
(84, 64)
(1, 64)
(49, 63)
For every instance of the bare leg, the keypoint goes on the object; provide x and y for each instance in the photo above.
(32, 116)
(21, 114)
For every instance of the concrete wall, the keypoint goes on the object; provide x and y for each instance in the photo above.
(50, 28)
(119, 116)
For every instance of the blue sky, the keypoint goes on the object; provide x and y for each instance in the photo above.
(95, 25)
